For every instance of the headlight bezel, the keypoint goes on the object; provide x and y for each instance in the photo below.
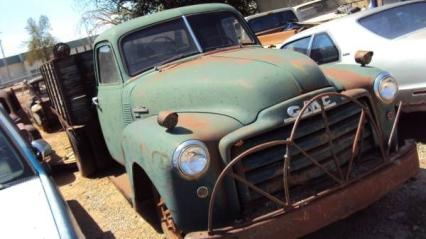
(377, 83)
(176, 159)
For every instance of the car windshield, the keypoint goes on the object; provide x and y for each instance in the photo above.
(398, 21)
(316, 9)
(12, 167)
(165, 42)
(272, 21)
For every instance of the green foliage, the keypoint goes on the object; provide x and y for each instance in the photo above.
(142, 7)
(41, 41)
(113, 12)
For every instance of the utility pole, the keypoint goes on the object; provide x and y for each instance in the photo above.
(5, 62)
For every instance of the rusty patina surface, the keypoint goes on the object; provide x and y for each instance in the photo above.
(328, 208)
(234, 99)
(276, 37)
(342, 177)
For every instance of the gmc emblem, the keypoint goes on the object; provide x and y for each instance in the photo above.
(294, 110)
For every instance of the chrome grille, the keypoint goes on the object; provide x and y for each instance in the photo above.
(265, 168)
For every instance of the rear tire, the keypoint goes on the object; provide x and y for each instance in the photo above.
(83, 156)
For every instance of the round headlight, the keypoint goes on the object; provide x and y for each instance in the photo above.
(191, 158)
(386, 87)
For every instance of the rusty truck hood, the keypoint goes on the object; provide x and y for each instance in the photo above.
(237, 82)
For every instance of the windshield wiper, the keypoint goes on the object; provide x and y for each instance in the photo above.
(157, 66)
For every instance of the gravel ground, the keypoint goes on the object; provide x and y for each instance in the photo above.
(400, 214)
(100, 209)
(102, 212)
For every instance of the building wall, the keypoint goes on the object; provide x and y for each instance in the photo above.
(20, 69)
(79, 49)
(33, 69)
(16, 70)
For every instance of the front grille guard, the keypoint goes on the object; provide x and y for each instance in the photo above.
(342, 179)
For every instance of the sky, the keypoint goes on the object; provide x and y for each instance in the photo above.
(64, 16)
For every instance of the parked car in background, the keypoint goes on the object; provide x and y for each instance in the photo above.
(30, 203)
(13, 108)
(274, 27)
(395, 33)
(318, 11)
(39, 107)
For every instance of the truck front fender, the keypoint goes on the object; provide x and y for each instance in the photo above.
(151, 146)
(347, 77)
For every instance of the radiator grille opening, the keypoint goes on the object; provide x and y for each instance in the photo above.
(265, 168)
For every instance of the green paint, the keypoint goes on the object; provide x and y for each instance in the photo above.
(220, 97)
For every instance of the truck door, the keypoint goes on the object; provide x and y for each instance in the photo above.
(108, 100)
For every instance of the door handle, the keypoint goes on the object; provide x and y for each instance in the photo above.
(138, 111)
(95, 101)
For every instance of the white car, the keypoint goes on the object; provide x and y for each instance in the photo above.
(396, 33)
(30, 203)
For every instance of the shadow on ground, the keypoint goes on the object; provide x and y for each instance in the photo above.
(87, 225)
(400, 214)
(148, 210)
(62, 178)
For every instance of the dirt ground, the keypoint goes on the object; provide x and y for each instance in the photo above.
(102, 211)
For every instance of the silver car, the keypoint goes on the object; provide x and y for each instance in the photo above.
(396, 33)
(30, 203)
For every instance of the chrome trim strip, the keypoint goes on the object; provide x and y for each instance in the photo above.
(197, 44)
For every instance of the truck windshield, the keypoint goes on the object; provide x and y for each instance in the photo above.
(165, 42)
(12, 167)
(272, 21)
(218, 30)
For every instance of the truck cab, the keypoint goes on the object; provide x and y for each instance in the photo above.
(234, 140)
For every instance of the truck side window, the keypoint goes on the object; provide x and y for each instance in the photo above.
(323, 49)
(300, 45)
(107, 67)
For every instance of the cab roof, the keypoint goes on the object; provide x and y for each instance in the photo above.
(115, 32)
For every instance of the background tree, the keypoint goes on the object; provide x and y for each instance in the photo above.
(113, 12)
(41, 41)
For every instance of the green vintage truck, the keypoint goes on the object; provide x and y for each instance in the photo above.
(232, 140)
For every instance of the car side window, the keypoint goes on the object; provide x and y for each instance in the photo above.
(107, 67)
(12, 167)
(301, 45)
(323, 49)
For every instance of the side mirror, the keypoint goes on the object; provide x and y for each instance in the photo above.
(363, 57)
(41, 148)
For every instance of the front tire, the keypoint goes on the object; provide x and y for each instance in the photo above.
(169, 227)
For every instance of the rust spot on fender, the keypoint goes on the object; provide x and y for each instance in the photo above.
(348, 79)
(301, 63)
(193, 122)
(201, 128)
